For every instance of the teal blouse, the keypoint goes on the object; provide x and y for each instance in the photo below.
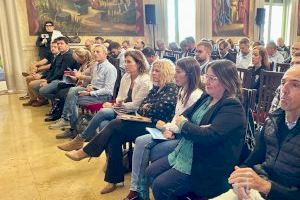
(182, 157)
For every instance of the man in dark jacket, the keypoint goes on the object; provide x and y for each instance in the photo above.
(63, 61)
(273, 169)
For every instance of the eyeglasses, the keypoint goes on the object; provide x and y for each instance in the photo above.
(210, 78)
(48, 25)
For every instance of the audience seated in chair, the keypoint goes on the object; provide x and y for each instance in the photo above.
(208, 150)
(39, 71)
(46, 88)
(118, 53)
(223, 51)
(62, 62)
(158, 105)
(273, 54)
(259, 62)
(203, 55)
(81, 77)
(100, 90)
(146, 148)
(272, 170)
(244, 57)
(135, 86)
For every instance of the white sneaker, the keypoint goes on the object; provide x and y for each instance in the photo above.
(61, 123)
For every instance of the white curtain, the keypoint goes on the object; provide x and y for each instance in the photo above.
(291, 21)
(203, 19)
(11, 46)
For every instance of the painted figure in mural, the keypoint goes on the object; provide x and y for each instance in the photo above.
(81, 6)
(243, 12)
(224, 14)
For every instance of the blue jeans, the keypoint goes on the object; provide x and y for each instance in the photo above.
(101, 119)
(146, 149)
(70, 111)
(167, 183)
(49, 91)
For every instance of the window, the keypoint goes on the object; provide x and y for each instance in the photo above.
(274, 20)
(181, 20)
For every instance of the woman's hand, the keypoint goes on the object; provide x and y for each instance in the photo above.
(119, 102)
(179, 120)
(72, 77)
(160, 124)
(77, 74)
(107, 105)
(84, 93)
(89, 88)
(168, 134)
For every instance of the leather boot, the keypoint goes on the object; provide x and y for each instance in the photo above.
(77, 155)
(75, 144)
(110, 187)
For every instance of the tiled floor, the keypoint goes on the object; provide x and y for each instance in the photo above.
(33, 168)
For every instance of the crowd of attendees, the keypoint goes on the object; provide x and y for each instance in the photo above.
(194, 100)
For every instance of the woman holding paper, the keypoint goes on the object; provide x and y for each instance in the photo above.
(134, 87)
(212, 132)
(187, 77)
(158, 105)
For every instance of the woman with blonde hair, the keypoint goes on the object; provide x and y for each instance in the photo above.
(158, 105)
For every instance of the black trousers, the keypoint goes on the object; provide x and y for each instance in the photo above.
(111, 139)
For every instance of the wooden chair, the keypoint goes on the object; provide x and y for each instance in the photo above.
(246, 75)
(248, 102)
(281, 67)
(269, 81)
(116, 62)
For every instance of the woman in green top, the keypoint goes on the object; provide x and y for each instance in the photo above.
(212, 132)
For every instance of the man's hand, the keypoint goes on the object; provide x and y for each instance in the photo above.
(37, 76)
(84, 93)
(44, 41)
(168, 134)
(248, 178)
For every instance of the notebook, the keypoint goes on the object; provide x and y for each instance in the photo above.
(156, 133)
(134, 118)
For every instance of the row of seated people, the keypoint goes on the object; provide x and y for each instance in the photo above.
(173, 168)
(225, 49)
(156, 114)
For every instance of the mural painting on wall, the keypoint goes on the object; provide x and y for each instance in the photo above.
(88, 17)
(230, 17)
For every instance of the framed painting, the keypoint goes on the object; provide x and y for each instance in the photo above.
(230, 18)
(88, 17)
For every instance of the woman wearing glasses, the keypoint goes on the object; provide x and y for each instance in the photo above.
(212, 132)
(145, 148)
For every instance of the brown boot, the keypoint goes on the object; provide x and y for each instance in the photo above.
(110, 187)
(75, 144)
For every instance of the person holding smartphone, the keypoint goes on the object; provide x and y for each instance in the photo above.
(45, 37)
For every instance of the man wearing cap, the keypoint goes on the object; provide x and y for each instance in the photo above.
(272, 170)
